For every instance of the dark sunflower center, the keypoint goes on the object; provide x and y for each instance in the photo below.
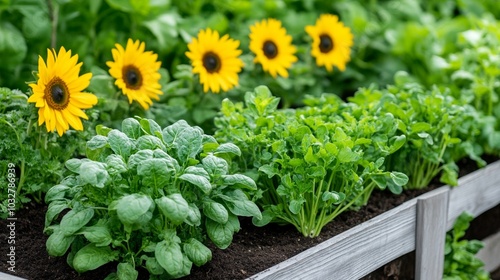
(325, 43)
(270, 49)
(57, 94)
(132, 77)
(211, 62)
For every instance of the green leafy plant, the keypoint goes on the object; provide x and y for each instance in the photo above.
(439, 129)
(309, 168)
(460, 262)
(472, 75)
(37, 155)
(149, 197)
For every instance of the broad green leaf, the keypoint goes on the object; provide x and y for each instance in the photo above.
(380, 180)
(399, 178)
(54, 209)
(120, 143)
(197, 180)
(150, 126)
(215, 166)
(269, 170)
(196, 170)
(58, 243)
(115, 164)
(233, 223)
(57, 192)
(198, 253)
(149, 142)
(98, 234)
(239, 179)
(91, 257)
(420, 127)
(396, 143)
(333, 197)
(174, 207)
(188, 144)
(347, 155)
(295, 205)
(73, 165)
(93, 173)
(228, 148)
(220, 234)
(194, 215)
(153, 266)
(134, 208)
(95, 147)
(139, 157)
(215, 211)
(75, 220)
(171, 132)
(155, 172)
(132, 128)
(246, 208)
(169, 256)
(126, 271)
(267, 217)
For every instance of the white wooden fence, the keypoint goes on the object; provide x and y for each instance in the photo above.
(419, 224)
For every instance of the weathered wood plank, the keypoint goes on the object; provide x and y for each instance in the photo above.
(490, 254)
(432, 210)
(5, 276)
(476, 193)
(354, 253)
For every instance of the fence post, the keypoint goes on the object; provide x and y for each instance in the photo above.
(432, 216)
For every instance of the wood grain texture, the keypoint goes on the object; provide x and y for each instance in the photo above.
(5, 276)
(490, 254)
(476, 193)
(432, 210)
(354, 253)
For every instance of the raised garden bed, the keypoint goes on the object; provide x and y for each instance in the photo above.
(419, 224)
(356, 252)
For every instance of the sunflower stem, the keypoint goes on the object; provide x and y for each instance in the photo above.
(54, 18)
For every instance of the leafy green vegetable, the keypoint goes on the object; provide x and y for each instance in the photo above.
(313, 163)
(460, 261)
(152, 203)
(439, 129)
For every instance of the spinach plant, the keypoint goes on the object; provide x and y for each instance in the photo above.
(460, 262)
(148, 197)
(308, 168)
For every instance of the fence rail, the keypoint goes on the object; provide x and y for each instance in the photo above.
(419, 224)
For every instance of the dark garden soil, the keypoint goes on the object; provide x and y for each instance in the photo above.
(253, 249)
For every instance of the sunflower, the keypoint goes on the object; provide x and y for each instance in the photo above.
(272, 47)
(136, 72)
(331, 42)
(58, 92)
(216, 60)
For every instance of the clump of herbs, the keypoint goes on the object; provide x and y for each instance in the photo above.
(309, 167)
(440, 130)
(37, 155)
(460, 262)
(148, 197)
